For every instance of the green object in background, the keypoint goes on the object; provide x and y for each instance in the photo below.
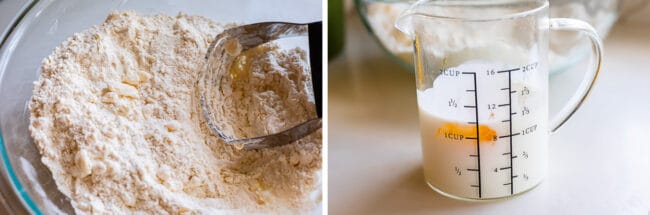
(335, 28)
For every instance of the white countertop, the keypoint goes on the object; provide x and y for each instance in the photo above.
(599, 161)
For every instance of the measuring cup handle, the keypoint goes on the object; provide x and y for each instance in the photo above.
(565, 24)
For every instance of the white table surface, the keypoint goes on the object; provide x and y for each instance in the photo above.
(599, 161)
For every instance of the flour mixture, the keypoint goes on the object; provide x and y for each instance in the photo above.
(116, 118)
(263, 97)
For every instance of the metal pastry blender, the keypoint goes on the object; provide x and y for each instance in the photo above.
(226, 47)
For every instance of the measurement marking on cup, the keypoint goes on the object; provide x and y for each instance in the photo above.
(512, 186)
(508, 71)
(510, 135)
(478, 141)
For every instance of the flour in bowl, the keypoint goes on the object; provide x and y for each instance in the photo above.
(116, 118)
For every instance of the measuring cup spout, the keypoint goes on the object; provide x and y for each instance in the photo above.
(404, 23)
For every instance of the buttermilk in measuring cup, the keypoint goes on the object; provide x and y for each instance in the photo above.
(483, 124)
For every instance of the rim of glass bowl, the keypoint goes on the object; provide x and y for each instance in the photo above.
(16, 185)
(16, 30)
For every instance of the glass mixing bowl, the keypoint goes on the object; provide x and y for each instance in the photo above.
(567, 48)
(47, 24)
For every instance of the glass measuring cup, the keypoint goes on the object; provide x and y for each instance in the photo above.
(482, 87)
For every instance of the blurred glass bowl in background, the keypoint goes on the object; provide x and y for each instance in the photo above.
(566, 48)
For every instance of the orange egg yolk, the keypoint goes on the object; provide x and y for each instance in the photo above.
(486, 134)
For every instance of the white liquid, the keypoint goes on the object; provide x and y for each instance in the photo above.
(451, 160)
